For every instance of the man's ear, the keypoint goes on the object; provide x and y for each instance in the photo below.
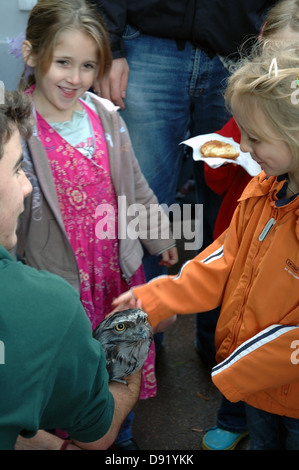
(28, 54)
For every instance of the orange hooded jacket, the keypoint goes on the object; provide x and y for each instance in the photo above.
(252, 271)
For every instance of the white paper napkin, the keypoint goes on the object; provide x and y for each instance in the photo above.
(244, 159)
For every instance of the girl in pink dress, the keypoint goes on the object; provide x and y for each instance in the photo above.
(79, 160)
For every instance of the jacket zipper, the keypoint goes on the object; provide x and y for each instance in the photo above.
(263, 235)
(267, 229)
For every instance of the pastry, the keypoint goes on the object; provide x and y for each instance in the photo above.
(218, 149)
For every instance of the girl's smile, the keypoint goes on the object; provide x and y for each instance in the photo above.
(68, 92)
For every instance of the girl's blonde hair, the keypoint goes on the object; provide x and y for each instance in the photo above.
(274, 91)
(285, 14)
(49, 18)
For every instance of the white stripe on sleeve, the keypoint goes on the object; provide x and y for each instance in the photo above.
(261, 339)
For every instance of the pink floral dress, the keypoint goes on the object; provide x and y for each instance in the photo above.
(82, 184)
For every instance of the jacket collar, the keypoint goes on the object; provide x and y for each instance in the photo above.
(261, 185)
(274, 187)
(4, 254)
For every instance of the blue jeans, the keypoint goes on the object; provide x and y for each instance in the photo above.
(231, 416)
(271, 432)
(125, 432)
(173, 93)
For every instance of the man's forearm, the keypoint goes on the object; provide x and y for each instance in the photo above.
(125, 398)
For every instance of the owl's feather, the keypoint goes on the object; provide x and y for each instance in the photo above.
(126, 337)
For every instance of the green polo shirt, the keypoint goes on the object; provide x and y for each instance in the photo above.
(52, 372)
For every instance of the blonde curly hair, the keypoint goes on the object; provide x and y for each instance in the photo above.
(275, 92)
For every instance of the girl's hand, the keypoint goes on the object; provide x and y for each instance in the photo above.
(169, 257)
(164, 324)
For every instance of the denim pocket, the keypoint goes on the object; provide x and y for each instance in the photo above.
(131, 32)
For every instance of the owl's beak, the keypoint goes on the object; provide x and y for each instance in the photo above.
(144, 334)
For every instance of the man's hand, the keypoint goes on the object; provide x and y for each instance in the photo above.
(114, 85)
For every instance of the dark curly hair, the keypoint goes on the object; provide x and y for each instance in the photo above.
(14, 113)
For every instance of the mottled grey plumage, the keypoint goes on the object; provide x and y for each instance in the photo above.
(126, 337)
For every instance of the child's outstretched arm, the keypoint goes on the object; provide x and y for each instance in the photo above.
(128, 300)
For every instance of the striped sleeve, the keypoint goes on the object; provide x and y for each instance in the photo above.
(217, 254)
(265, 361)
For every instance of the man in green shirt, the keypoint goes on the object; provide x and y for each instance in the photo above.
(52, 372)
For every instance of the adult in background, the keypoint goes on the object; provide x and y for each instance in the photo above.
(171, 62)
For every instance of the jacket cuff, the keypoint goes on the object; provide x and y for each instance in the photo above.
(117, 47)
(227, 389)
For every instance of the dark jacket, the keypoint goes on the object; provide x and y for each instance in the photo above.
(218, 26)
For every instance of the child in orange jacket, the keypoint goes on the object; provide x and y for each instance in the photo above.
(252, 269)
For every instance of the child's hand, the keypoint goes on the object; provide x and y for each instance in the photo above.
(169, 257)
(125, 301)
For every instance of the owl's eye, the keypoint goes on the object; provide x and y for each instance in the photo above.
(120, 327)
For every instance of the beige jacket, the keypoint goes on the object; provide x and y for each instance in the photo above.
(42, 240)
